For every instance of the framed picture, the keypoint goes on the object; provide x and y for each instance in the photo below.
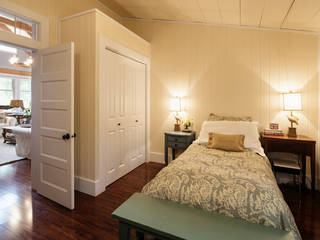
(274, 126)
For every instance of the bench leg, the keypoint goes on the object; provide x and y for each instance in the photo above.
(124, 231)
(139, 235)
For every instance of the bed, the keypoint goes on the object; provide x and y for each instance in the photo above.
(236, 184)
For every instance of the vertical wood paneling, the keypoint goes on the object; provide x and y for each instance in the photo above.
(85, 106)
(229, 71)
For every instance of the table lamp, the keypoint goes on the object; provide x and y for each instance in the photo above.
(176, 106)
(292, 102)
(16, 103)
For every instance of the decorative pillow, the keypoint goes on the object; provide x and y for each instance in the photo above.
(214, 117)
(248, 129)
(226, 142)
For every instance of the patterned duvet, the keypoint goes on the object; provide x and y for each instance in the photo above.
(236, 184)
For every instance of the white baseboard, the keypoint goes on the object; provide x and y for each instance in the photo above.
(158, 157)
(88, 186)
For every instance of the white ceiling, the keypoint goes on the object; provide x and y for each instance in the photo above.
(279, 14)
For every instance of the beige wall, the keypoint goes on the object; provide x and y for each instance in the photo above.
(57, 9)
(230, 71)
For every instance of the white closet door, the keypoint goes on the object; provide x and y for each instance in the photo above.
(122, 111)
(136, 98)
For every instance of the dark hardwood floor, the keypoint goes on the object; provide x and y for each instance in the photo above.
(26, 215)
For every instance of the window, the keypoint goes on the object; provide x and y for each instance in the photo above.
(15, 88)
(6, 91)
(18, 25)
(25, 92)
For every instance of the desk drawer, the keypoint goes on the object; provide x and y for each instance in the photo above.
(177, 139)
(177, 145)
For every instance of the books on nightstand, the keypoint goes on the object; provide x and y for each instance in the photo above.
(274, 132)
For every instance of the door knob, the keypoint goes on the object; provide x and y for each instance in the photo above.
(137, 121)
(66, 136)
(119, 124)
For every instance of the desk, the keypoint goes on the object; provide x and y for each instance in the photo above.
(300, 145)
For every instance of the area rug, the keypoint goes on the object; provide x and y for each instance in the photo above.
(8, 153)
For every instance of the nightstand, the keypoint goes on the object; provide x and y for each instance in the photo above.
(300, 145)
(177, 140)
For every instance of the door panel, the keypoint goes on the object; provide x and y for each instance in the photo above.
(122, 121)
(52, 94)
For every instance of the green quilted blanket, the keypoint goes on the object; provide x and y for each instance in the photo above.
(236, 184)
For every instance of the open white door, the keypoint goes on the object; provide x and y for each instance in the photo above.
(52, 123)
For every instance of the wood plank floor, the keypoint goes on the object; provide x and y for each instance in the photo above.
(26, 215)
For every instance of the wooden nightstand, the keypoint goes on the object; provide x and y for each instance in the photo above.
(177, 140)
(300, 145)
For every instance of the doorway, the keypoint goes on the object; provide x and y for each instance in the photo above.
(15, 103)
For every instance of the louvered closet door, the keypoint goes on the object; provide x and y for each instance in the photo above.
(123, 114)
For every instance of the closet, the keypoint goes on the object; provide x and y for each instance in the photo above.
(112, 69)
(122, 112)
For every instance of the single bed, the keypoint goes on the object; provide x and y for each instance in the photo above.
(236, 184)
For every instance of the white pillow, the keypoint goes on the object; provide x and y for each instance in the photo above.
(248, 129)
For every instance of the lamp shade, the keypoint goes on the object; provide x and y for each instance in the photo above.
(16, 103)
(292, 102)
(177, 104)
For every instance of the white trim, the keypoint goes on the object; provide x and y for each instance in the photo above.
(309, 32)
(158, 157)
(109, 9)
(108, 18)
(88, 186)
(12, 38)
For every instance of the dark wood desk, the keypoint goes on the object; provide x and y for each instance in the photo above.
(300, 145)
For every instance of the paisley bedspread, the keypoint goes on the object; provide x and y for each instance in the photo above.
(236, 184)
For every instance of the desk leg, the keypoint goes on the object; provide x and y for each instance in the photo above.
(313, 168)
(303, 171)
(124, 231)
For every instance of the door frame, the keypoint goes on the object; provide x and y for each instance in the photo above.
(31, 44)
(103, 42)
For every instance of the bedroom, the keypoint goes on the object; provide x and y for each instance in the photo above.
(215, 65)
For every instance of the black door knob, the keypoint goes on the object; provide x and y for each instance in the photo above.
(119, 124)
(66, 136)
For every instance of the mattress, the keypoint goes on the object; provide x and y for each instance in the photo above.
(236, 184)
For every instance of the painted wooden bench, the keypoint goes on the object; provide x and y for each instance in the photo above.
(164, 219)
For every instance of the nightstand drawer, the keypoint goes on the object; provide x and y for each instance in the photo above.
(177, 139)
(177, 145)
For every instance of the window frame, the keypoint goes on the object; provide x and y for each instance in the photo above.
(15, 86)
(23, 13)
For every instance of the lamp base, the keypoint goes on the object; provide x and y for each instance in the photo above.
(177, 128)
(292, 132)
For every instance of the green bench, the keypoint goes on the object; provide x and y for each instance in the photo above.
(164, 219)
